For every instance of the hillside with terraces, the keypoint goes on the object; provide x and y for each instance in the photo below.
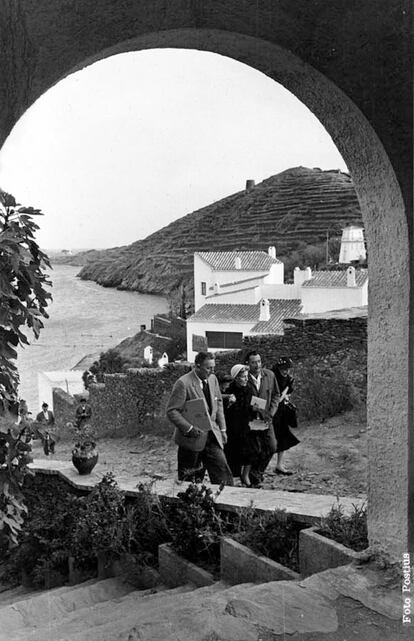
(289, 210)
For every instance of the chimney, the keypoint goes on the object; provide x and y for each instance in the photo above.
(264, 310)
(308, 273)
(237, 262)
(249, 184)
(272, 252)
(350, 277)
(142, 328)
(216, 288)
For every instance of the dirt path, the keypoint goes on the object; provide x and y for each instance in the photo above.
(331, 458)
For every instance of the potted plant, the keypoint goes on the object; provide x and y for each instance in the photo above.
(84, 452)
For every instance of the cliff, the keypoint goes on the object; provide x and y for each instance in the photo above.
(287, 210)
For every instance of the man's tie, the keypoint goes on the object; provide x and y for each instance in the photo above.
(206, 391)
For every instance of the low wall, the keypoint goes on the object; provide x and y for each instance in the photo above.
(239, 564)
(135, 400)
(64, 407)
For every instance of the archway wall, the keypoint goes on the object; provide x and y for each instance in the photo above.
(337, 60)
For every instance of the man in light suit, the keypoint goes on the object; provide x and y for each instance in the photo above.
(262, 383)
(199, 451)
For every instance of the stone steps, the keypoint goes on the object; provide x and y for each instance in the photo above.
(107, 619)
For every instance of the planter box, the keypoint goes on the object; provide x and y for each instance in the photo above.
(318, 553)
(239, 564)
(175, 571)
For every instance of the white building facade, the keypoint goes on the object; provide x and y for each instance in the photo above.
(242, 294)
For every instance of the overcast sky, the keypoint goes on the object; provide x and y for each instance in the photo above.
(118, 150)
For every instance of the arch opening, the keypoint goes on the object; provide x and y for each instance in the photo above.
(382, 205)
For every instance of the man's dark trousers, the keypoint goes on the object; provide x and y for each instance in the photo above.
(193, 465)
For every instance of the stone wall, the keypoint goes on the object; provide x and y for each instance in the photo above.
(135, 401)
(64, 406)
(315, 338)
(174, 327)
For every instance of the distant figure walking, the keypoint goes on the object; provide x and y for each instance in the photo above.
(200, 450)
(44, 421)
(46, 415)
(285, 416)
(83, 413)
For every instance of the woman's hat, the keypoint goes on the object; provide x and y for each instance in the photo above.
(236, 369)
(284, 362)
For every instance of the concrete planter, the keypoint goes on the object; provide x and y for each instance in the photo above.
(318, 553)
(175, 571)
(239, 564)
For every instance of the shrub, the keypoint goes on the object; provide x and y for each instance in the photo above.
(274, 535)
(45, 539)
(99, 527)
(196, 526)
(145, 527)
(323, 390)
(349, 530)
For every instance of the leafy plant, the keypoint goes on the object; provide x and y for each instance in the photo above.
(145, 526)
(24, 299)
(350, 530)
(196, 525)
(274, 535)
(44, 542)
(99, 526)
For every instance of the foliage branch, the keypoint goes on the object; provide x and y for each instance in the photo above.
(23, 302)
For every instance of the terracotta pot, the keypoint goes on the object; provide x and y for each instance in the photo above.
(83, 464)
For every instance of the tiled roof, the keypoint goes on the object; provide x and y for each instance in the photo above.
(279, 310)
(250, 261)
(228, 313)
(335, 279)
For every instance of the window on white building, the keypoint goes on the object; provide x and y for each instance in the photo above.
(203, 288)
(225, 340)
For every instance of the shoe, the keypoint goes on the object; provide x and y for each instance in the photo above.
(283, 472)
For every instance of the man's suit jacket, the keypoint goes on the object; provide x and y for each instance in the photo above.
(269, 390)
(187, 388)
(50, 420)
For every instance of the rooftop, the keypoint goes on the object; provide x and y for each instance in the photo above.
(249, 261)
(229, 313)
(335, 279)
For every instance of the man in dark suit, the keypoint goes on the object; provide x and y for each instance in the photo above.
(198, 450)
(262, 383)
(45, 416)
(46, 420)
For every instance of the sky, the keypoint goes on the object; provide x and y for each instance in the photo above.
(124, 147)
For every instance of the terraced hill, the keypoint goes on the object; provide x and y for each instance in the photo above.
(287, 210)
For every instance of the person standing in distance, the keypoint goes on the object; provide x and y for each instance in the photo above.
(199, 451)
(262, 383)
(46, 415)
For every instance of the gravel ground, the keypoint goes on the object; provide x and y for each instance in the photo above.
(331, 458)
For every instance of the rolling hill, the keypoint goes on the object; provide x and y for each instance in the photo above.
(290, 210)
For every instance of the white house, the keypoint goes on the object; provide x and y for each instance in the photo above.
(226, 272)
(223, 326)
(237, 297)
(329, 290)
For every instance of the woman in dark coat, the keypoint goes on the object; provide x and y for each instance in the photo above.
(285, 416)
(240, 449)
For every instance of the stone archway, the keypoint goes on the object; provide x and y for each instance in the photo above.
(323, 56)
